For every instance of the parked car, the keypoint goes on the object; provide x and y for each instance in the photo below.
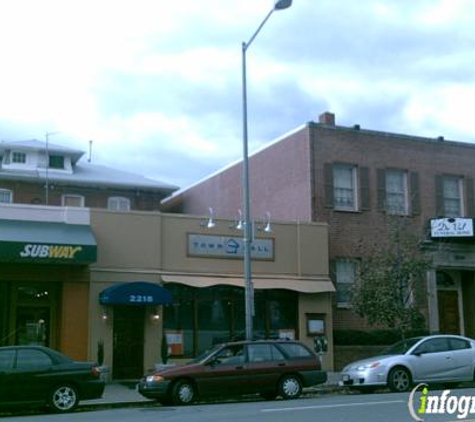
(36, 375)
(439, 359)
(267, 367)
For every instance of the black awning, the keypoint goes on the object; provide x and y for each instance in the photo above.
(135, 293)
(46, 242)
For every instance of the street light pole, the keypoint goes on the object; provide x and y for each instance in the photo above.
(247, 238)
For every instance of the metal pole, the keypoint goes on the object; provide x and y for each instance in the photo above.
(248, 293)
(46, 173)
(246, 203)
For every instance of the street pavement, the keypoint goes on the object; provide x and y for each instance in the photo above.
(125, 392)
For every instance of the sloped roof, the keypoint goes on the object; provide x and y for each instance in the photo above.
(84, 174)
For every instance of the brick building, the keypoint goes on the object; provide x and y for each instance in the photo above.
(25, 178)
(47, 245)
(356, 180)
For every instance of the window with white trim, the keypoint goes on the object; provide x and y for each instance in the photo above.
(344, 187)
(69, 200)
(452, 192)
(118, 203)
(6, 196)
(345, 279)
(18, 157)
(396, 192)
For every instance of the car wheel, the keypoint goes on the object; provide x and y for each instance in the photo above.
(290, 387)
(183, 392)
(399, 380)
(63, 398)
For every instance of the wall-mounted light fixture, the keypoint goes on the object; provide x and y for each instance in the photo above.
(155, 316)
(266, 227)
(238, 225)
(209, 224)
(104, 315)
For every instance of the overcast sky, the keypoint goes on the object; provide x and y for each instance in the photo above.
(157, 84)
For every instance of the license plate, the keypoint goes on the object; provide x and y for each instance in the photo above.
(345, 377)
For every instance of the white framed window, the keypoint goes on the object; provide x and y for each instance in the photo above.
(69, 200)
(18, 157)
(344, 187)
(6, 196)
(396, 192)
(452, 193)
(118, 203)
(345, 270)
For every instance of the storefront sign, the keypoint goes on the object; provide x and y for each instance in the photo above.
(47, 253)
(451, 227)
(228, 247)
(50, 251)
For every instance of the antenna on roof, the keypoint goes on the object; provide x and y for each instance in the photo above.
(90, 151)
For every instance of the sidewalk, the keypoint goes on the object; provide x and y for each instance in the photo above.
(125, 392)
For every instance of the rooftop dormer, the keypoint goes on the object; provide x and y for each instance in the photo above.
(36, 155)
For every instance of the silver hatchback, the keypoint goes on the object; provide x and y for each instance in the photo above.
(446, 359)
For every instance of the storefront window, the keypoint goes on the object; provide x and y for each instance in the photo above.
(214, 319)
(202, 317)
(34, 307)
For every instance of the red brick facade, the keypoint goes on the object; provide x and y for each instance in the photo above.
(288, 180)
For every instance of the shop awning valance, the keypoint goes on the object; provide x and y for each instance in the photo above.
(296, 284)
(46, 243)
(135, 293)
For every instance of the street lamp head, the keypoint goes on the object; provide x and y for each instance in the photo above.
(282, 4)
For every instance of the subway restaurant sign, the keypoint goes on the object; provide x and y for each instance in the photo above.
(47, 253)
(46, 243)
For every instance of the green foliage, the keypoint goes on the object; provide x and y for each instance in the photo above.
(384, 293)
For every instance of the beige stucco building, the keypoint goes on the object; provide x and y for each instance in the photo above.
(158, 254)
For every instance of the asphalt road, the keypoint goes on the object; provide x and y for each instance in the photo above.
(326, 408)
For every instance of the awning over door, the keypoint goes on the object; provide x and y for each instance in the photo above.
(135, 293)
(295, 284)
(46, 243)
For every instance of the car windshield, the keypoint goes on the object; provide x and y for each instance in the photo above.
(401, 347)
(205, 354)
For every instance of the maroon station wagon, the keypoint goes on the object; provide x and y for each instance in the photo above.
(270, 368)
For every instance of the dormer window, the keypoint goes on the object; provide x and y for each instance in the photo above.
(18, 157)
(118, 203)
(56, 162)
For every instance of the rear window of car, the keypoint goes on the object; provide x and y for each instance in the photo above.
(295, 350)
(458, 344)
(33, 359)
(264, 353)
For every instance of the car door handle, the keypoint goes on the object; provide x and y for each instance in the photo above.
(282, 364)
(240, 367)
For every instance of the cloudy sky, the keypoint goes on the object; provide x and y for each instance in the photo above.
(157, 84)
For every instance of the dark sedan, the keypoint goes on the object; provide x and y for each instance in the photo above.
(269, 368)
(36, 375)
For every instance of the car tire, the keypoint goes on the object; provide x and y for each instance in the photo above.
(183, 392)
(63, 398)
(399, 380)
(290, 387)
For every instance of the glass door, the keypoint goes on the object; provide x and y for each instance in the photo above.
(33, 325)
